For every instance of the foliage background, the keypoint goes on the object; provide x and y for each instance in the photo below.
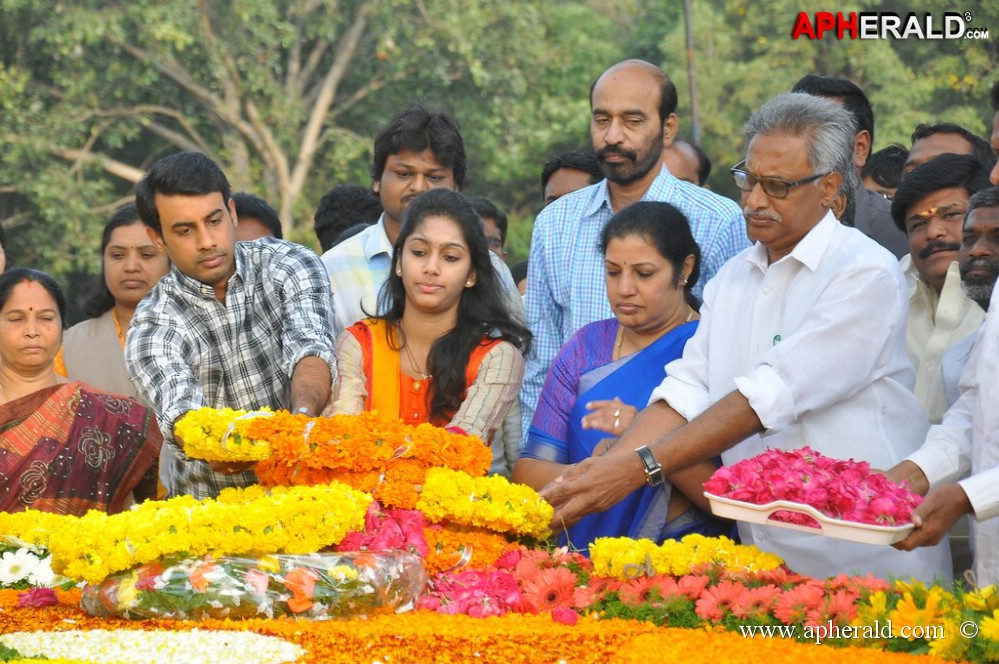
(288, 94)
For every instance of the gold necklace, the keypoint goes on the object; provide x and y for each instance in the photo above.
(412, 359)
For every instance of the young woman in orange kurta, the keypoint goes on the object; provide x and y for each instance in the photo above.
(446, 350)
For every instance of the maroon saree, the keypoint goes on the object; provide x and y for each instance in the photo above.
(71, 448)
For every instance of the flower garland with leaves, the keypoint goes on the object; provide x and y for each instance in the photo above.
(489, 502)
(240, 522)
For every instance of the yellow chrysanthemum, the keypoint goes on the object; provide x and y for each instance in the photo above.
(242, 522)
(488, 502)
(989, 627)
(625, 558)
(908, 615)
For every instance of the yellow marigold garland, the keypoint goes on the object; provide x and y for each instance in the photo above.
(30, 526)
(221, 435)
(489, 502)
(241, 522)
(625, 558)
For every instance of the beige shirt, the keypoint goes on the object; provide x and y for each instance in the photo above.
(93, 354)
(487, 400)
(936, 322)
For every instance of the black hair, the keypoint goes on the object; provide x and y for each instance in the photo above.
(343, 207)
(482, 308)
(254, 207)
(348, 233)
(703, 161)
(885, 166)
(18, 275)
(184, 173)
(984, 198)
(486, 209)
(519, 271)
(941, 172)
(100, 299)
(418, 128)
(854, 99)
(577, 160)
(994, 96)
(979, 146)
(668, 230)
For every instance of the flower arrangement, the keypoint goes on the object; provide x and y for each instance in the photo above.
(489, 502)
(380, 455)
(841, 489)
(240, 522)
(25, 566)
(32, 527)
(451, 546)
(316, 586)
(625, 558)
(221, 435)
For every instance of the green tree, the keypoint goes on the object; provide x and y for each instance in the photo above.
(285, 95)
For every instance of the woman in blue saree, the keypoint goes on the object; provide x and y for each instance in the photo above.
(608, 369)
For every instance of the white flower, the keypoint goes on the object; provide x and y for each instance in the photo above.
(17, 566)
(155, 646)
(43, 576)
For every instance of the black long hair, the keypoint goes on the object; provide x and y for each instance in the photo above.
(482, 308)
(665, 228)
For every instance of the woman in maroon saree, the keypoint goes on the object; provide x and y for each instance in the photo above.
(64, 447)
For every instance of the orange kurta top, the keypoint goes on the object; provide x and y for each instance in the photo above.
(392, 391)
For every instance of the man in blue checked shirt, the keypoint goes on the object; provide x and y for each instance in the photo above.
(238, 325)
(633, 117)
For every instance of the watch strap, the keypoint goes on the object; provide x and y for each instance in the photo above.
(654, 474)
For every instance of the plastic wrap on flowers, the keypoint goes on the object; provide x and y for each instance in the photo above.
(316, 587)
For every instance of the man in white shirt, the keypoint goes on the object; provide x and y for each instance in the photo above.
(966, 440)
(930, 207)
(801, 342)
(418, 150)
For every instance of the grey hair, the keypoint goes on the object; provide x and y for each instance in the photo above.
(827, 128)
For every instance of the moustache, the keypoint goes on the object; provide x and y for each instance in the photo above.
(992, 267)
(934, 247)
(761, 214)
(613, 149)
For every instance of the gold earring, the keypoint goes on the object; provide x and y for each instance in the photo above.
(398, 270)
(683, 282)
(469, 283)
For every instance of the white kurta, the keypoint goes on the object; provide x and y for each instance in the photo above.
(816, 343)
(968, 438)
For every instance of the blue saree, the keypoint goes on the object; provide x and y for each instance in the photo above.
(584, 372)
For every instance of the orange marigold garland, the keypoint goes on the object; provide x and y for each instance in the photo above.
(383, 456)
(452, 545)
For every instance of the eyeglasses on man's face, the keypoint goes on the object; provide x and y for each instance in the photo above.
(772, 187)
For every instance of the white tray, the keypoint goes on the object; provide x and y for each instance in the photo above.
(830, 527)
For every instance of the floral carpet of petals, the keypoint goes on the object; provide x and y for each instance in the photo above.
(428, 636)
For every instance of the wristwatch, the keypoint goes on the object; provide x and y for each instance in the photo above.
(305, 410)
(653, 471)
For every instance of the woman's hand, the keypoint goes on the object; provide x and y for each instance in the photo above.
(612, 416)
